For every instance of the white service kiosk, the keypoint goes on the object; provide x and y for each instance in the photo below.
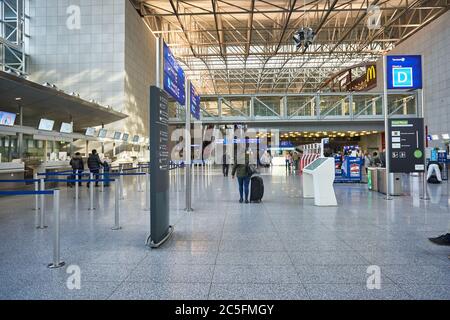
(318, 178)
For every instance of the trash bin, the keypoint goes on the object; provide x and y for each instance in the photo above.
(372, 178)
(395, 182)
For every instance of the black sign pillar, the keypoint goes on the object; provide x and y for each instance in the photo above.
(160, 228)
(406, 145)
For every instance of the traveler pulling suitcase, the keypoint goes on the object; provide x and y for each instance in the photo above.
(256, 189)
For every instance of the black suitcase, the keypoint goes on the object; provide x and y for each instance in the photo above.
(433, 179)
(256, 189)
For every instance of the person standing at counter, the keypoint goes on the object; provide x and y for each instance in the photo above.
(94, 163)
(77, 165)
(366, 162)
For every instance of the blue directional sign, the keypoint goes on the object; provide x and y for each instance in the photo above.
(173, 77)
(404, 72)
(195, 103)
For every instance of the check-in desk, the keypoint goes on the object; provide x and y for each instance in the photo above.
(11, 171)
(51, 166)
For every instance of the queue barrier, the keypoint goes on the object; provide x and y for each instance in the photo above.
(57, 263)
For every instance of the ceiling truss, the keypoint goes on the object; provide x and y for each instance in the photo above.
(246, 47)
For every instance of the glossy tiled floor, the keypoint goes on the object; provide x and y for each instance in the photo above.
(283, 248)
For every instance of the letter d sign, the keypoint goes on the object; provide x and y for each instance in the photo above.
(402, 77)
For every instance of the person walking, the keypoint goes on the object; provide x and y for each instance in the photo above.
(295, 159)
(77, 166)
(94, 163)
(225, 164)
(241, 170)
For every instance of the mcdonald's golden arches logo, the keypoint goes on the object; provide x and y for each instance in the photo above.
(371, 73)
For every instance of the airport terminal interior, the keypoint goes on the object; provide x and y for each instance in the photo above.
(224, 150)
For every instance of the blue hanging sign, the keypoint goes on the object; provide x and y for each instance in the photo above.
(195, 103)
(404, 72)
(174, 79)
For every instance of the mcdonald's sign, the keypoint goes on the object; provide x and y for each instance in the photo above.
(366, 81)
(371, 73)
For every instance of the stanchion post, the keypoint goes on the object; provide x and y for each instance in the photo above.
(57, 263)
(147, 191)
(121, 183)
(102, 171)
(91, 192)
(116, 206)
(42, 211)
(77, 190)
(139, 180)
(36, 196)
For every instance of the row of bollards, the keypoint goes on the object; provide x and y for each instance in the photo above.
(118, 190)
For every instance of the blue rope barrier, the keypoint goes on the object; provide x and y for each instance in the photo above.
(124, 174)
(24, 181)
(81, 180)
(99, 174)
(24, 192)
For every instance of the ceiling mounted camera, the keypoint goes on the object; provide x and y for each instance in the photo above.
(303, 37)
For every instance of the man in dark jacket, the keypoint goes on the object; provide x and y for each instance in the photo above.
(77, 165)
(94, 163)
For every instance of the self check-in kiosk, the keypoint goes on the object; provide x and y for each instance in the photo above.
(318, 178)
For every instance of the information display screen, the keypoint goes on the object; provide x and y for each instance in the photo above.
(315, 164)
(125, 137)
(174, 79)
(90, 132)
(102, 133)
(117, 135)
(136, 139)
(46, 125)
(406, 141)
(66, 128)
(7, 118)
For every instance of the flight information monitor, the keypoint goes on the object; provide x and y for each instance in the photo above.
(90, 132)
(117, 135)
(46, 125)
(102, 133)
(66, 127)
(7, 118)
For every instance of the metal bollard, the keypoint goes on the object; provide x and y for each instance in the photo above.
(57, 263)
(139, 180)
(91, 192)
(42, 211)
(102, 171)
(121, 185)
(36, 188)
(116, 207)
(147, 191)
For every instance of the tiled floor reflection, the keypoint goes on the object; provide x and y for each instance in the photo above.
(282, 248)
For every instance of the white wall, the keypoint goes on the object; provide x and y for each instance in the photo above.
(433, 43)
(111, 58)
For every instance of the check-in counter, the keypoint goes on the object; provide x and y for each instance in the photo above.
(51, 166)
(11, 171)
(122, 164)
(395, 182)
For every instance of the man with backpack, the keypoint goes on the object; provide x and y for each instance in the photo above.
(77, 166)
(94, 163)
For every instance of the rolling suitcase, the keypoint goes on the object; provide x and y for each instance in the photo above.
(256, 189)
